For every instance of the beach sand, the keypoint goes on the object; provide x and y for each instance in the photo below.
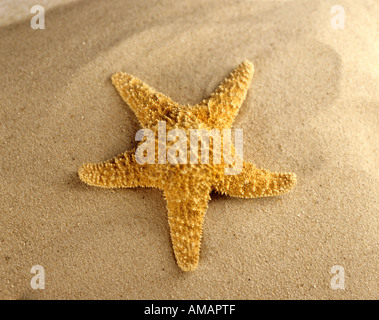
(312, 109)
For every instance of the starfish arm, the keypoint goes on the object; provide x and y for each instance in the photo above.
(122, 171)
(253, 183)
(148, 105)
(221, 108)
(186, 211)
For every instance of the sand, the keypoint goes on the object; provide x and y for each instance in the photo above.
(312, 109)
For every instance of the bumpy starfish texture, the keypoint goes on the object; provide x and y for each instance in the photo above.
(186, 187)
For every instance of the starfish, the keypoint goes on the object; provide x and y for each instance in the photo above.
(186, 187)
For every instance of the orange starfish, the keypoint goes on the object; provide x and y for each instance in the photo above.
(187, 186)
